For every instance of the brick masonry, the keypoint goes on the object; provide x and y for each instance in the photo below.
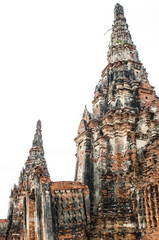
(115, 194)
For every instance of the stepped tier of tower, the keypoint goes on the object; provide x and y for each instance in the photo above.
(115, 194)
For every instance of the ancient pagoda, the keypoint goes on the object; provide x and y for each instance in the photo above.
(115, 194)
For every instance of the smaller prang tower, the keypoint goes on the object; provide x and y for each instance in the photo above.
(118, 146)
(40, 209)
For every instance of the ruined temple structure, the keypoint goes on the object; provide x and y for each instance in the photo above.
(115, 194)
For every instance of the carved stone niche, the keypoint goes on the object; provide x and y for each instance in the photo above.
(32, 195)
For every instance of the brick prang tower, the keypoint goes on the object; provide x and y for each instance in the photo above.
(117, 145)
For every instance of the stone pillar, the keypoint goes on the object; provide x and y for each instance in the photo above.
(147, 208)
(48, 233)
(150, 200)
(155, 189)
(39, 229)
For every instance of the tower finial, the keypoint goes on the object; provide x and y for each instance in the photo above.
(118, 12)
(121, 45)
(37, 142)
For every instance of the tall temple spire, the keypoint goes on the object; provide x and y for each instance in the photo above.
(36, 153)
(37, 142)
(124, 69)
(121, 47)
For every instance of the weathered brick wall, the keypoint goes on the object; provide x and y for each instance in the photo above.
(3, 228)
(72, 210)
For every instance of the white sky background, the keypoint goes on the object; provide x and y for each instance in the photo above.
(51, 57)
